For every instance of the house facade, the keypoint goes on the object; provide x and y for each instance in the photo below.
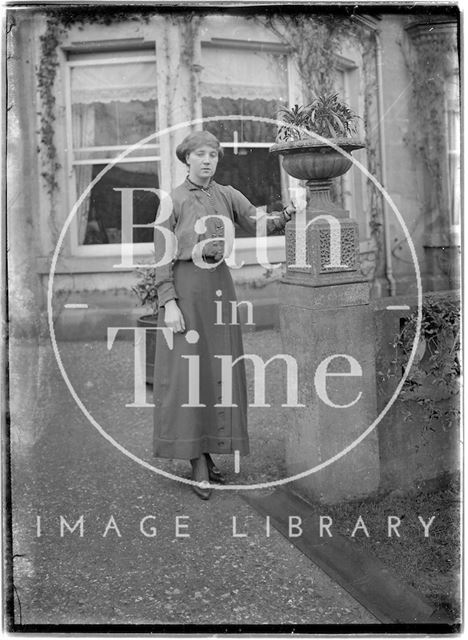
(99, 100)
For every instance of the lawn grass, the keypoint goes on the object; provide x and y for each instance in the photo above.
(429, 564)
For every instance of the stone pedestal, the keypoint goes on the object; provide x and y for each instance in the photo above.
(318, 322)
(324, 311)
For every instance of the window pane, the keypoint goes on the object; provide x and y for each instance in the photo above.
(242, 130)
(254, 84)
(256, 173)
(113, 104)
(106, 82)
(453, 143)
(244, 73)
(100, 216)
(247, 82)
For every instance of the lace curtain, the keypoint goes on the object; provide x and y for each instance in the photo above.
(83, 134)
(112, 104)
(124, 82)
(246, 82)
(123, 96)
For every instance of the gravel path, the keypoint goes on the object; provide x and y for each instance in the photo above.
(70, 470)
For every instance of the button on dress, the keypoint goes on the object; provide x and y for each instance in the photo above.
(191, 414)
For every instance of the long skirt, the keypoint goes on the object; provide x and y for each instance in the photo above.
(189, 381)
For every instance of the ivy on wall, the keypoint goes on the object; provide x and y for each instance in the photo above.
(46, 74)
(374, 197)
(430, 57)
(315, 42)
(57, 24)
(189, 25)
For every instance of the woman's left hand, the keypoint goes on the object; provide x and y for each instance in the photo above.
(214, 249)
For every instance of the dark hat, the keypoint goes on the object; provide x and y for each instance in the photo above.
(195, 140)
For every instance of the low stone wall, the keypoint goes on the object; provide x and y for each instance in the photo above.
(412, 451)
(120, 307)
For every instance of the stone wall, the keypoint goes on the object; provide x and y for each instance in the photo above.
(25, 292)
(29, 349)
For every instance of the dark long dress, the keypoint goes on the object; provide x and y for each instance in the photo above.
(188, 431)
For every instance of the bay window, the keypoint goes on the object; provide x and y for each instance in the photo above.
(112, 103)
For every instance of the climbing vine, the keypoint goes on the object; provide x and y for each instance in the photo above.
(188, 55)
(375, 204)
(189, 25)
(57, 24)
(429, 63)
(315, 42)
(46, 74)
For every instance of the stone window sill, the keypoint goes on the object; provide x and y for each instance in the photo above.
(106, 263)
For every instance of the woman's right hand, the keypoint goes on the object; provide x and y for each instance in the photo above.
(173, 317)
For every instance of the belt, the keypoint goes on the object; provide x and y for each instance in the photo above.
(209, 259)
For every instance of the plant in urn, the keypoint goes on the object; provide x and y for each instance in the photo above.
(326, 241)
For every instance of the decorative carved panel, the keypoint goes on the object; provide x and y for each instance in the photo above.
(321, 247)
(291, 242)
(330, 246)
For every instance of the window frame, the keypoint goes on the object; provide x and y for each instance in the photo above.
(245, 248)
(452, 106)
(79, 58)
(347, 66)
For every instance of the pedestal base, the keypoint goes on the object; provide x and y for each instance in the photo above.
(317, 323)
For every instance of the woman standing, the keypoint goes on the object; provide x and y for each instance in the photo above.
(195, 303)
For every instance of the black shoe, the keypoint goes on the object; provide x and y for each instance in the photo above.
(214, 473)
(202, 492)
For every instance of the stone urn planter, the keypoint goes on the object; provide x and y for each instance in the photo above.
(325, 253)
(318, 164)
